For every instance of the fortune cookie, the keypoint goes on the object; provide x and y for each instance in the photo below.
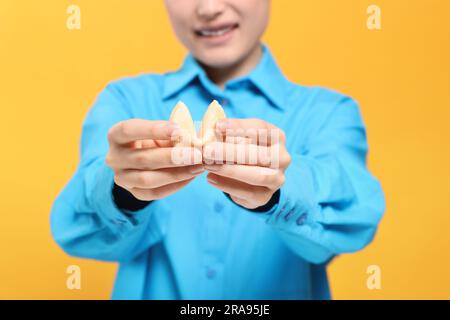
(189, 138)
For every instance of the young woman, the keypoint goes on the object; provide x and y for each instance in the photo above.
(200, 231)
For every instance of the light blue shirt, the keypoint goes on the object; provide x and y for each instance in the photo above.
(197, 243)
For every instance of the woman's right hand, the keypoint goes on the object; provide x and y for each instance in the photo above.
(141, 153)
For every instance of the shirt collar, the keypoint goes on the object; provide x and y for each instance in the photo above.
(177, 80)
(266, 77)
(269, 79)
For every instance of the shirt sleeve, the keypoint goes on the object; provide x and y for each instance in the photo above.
(85, 218)
(330, 203)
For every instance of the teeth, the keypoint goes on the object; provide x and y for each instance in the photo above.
(214, 33)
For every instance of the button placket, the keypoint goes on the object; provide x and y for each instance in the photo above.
(214, 244)
(210, 273)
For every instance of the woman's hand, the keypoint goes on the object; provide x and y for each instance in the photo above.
(252, 159)
(141, 154)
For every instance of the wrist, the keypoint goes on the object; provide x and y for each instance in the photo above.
(126, 201)
(274, 200)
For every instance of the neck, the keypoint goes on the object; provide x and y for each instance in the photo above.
(220, 76)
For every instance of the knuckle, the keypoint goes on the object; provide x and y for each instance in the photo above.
(125, 128)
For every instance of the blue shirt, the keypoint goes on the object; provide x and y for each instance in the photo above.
(197, 243)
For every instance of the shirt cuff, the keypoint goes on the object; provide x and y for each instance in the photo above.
(126, 201)
(99, 189)
(297, 210)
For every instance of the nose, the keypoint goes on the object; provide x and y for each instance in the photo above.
(210, 9)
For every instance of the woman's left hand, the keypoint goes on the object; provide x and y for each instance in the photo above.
(249, 163)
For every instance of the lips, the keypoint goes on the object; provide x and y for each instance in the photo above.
(215, 31)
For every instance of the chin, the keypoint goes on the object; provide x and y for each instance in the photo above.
(219, 57)
(219, 62)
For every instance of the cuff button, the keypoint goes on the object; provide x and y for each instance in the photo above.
(301, 220)
(289, 214)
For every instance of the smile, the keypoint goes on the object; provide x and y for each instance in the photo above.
(222, 32)
(216, 31)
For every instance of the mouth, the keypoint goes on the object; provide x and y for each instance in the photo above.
(216, 34)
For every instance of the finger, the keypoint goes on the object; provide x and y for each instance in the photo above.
(237, 140)
(130, 130)
(259, 131)
(239, 189)
(129, 179)
(250, 154)
(254, 175)
(155, 158)
(150, 143)
(159, 193)
(164, 143)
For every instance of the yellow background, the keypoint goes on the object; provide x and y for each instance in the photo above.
(49, 77)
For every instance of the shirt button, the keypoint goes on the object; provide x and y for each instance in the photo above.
(210, 273)
(218, 207)
(225, 102)
(301, 220)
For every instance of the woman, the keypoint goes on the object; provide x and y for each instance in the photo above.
(220, 231)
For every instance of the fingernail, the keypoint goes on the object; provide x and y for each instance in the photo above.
(197, 170)
(213, 167)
